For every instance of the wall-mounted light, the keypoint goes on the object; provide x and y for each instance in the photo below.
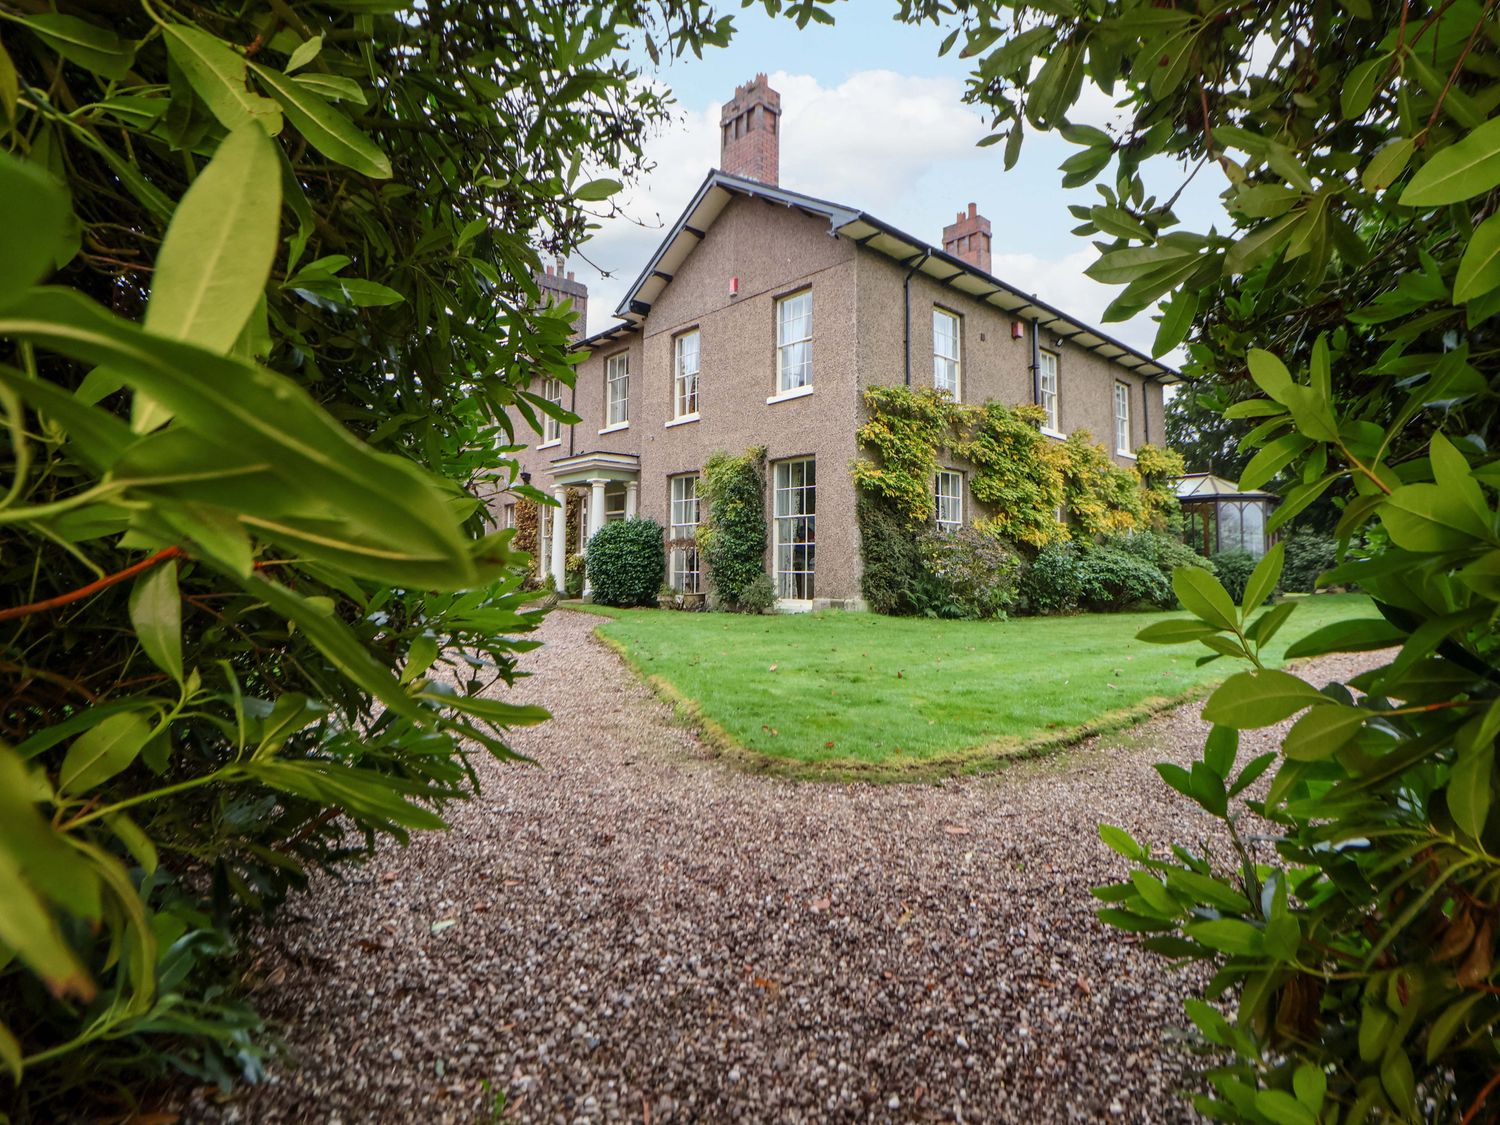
(525, 478)
(1017, 330)
(734, 287)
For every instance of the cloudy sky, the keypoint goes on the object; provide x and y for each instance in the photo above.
(872, 118)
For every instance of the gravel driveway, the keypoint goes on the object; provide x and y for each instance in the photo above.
(632, 931)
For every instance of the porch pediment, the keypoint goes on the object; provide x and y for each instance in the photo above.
(598, 465)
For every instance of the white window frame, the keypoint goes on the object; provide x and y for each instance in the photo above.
(685, 571)
(794, 314)
(616, 496)
(1122, 418)
(685, 379)
(546, 521)
(948, 500)
(947, 352)
(1049, 385)
(794, 508)
(508, 516)
(617, 390)
(551, 427)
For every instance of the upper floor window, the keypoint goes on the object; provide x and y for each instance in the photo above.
(1047, 380)
(509, 516)
(949, 497)
(617, 389)
(945, 351)
(685, 380)
(794, 341)
(551, 428)
(1122, 418)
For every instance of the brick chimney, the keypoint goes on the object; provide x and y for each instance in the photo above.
(557, 288)
(750, 143)
(968, 237)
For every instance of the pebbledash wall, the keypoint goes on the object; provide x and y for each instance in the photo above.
(755, 252)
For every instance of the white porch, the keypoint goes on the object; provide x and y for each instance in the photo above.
(607, 487)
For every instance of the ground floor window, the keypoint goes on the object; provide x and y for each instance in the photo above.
(546, 516)
(796, 515)
(949, 500)
(685, 573)
(614, 502)
(508, 518)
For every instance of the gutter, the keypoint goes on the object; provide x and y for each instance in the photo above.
(906, 311)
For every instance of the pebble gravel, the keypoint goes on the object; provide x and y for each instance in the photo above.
(630, 930)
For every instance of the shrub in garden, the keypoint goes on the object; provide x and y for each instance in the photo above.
(759, 596)
(1109, 580)
(732, 535)
(1051, 582)
(971, 574)
(1308, 554)
(1233, 568)
(893, 571)
(626, 562)
(1165, 552)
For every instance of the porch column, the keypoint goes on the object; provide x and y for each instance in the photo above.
(559, 520)
(596, 505)
(631, 489)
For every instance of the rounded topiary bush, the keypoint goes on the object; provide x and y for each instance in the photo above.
(1234, 568)
(1110, 580)
(1165, 552)
(626, 562)
(977, 574)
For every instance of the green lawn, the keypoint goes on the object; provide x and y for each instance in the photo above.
(855, 694)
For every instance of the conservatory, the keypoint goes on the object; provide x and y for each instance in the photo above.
(1217, 516)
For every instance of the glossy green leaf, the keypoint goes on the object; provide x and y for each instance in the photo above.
(1361, 85)
(1388, 163)
(1458, 172)
(1322, 732)
(1429, 518)
(136, 842)
(1260, 698)
(1118, 840)
(91, 47)
(1264, 578)
(1201, 594)
(1479, 270)
(156, 616)
(36, 218)
(217, 75)
(1281, 1108)
(103, 751)
(1469, 788)
(1175, 632)
(1360, 634)
(256, 415)
(325, 128)
(1227, 935)
(306, 51)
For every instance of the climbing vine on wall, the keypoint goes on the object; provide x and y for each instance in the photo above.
(732, 535)
(1016, 474)
(1101, 498)
(905, 430)
(1159, 470)
(1019, 475)
(526, 527)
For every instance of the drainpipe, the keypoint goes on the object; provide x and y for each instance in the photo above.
(1146, 408)
(906, 310)
(573, 406)
(1036, 362)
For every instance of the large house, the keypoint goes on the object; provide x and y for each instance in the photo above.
(760, 320)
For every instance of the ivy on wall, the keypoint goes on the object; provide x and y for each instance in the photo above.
(732, 534)
(1020, 476)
